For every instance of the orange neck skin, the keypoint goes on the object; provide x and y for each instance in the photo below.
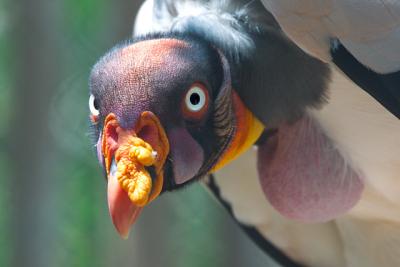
(248, 130)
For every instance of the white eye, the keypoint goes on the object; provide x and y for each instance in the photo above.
(195, 98)
(93, 106)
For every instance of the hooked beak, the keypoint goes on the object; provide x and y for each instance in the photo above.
(127, 156)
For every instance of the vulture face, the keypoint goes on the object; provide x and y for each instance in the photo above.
(163, 108)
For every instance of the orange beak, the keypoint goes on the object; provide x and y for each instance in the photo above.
(127, 153)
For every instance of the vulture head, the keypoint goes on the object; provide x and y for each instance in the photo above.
(174, 96)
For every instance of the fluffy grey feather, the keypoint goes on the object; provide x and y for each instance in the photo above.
(275, 78)
(223, 23)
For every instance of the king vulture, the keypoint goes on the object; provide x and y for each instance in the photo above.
(201, 82)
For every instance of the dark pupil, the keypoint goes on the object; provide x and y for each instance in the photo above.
(96, 104)
(194, 99)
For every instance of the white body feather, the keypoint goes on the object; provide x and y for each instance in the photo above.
(369, 235)
(369, 29)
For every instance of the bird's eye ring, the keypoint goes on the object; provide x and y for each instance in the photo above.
(195, 101)
(94, 108)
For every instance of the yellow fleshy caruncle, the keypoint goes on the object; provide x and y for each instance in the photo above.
(131, 158)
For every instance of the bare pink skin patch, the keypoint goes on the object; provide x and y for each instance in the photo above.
(304, 176)
(187, 155)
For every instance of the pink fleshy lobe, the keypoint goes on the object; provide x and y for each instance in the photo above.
(304, 176)
(187, 155)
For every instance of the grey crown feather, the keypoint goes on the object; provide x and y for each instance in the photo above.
(274, 77)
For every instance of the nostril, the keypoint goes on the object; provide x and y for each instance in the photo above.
(149, 133)
(111, 135)
(110, 141)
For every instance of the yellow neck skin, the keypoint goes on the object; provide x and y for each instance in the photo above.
(248, 130)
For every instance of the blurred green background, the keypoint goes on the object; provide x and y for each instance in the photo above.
(53, 209)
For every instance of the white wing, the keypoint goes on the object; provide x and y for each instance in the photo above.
(369, 29)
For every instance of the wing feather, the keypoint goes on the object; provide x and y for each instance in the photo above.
(369, 29)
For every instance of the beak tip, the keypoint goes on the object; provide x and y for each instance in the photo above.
(122, 226)
(124, 234)
(125, 237)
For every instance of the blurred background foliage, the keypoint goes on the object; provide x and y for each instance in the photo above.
(53, 209)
